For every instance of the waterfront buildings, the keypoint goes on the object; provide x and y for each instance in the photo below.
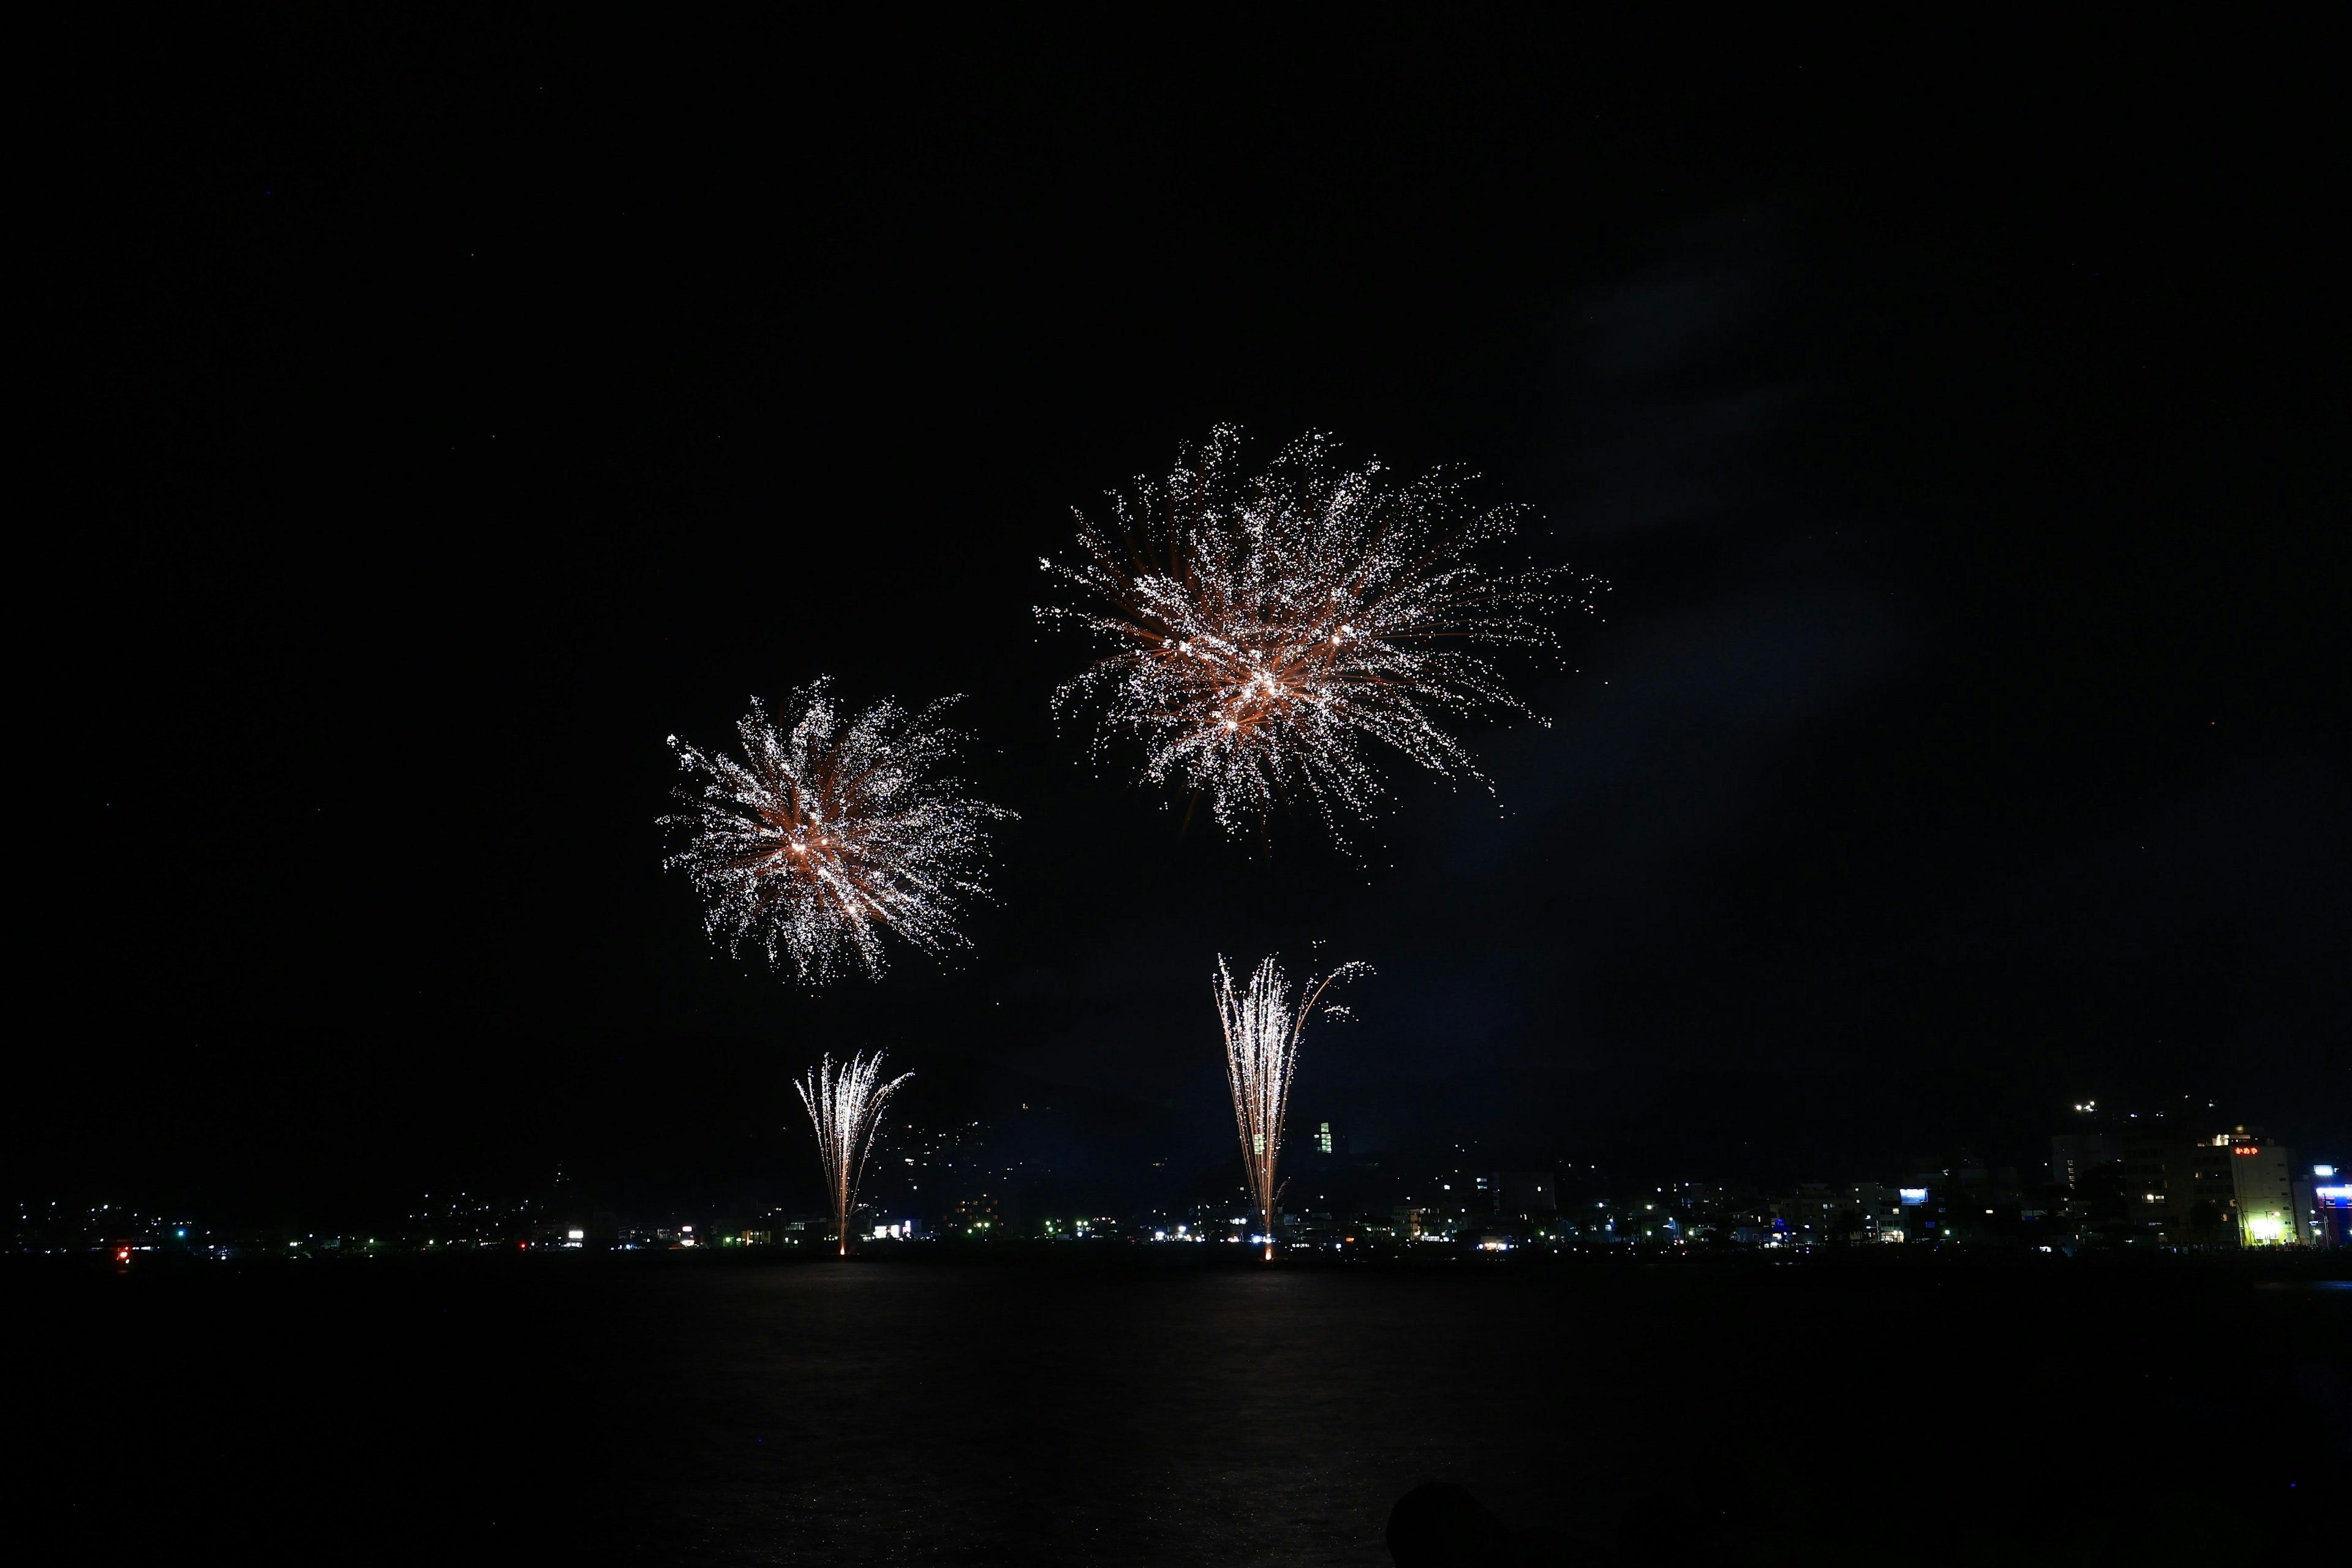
(2323, 1204)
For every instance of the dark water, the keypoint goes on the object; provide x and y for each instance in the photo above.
(910, 1412)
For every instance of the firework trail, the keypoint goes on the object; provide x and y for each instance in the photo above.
(1262, 631)
(1262, 1036)
(845, 1102)
(828, 834)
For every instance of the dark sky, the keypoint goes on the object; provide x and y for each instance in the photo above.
(443, 420)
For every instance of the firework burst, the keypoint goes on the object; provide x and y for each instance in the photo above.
(1261, 1035)
(1262, 631)
(828, 834)
(845, 1102)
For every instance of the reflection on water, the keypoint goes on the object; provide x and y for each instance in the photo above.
(890, 1411)
(909, 1412)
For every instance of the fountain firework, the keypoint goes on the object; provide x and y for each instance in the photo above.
(830, 832)
(845, 1102)
(1262, 1036)
(1260, 630)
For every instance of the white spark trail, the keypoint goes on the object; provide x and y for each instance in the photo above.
(845, 1102)
(1262, 1036)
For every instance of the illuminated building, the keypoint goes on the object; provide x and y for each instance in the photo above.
(1913, 1218)
(2264, 1191)
(2323, 1207)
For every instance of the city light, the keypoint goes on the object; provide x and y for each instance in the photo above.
(1476, 1214)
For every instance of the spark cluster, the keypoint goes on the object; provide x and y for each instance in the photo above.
(831, 832)
(1262, 631)
(845, 1102)
(1262, 1036)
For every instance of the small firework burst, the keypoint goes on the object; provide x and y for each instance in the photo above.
(845, 1102)
(828, 834)
(1261, 1035)
(1260, 629)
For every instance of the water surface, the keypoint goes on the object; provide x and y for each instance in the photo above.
(914, 1412)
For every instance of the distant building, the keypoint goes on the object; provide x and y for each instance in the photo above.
(1807, 1215)
(978, 1218)
(2074, 1155)
(2200, 1192)
(1870, 1214)
(1523, 1192)
(2146, 1197)
(2264, 1191)
(1427, 1222)
(2323, 1208)
(1913, 1218)
(2228, 1189)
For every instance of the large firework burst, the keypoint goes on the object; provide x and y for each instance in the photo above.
(1261, 1033)
(1260, 629)
(828, 834)
(845, 1103)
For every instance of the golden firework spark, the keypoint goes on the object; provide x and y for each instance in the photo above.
(827, 835)
(1261, 1035)
(845, 1102)
(1261, 629)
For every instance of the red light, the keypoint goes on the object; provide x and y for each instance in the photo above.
(2245, 1150)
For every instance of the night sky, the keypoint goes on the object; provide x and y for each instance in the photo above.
(440, 422)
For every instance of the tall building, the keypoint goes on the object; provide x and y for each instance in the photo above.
(2227, 1189)
(2263, 1190)
(2148, 1153)
(2201, 1184)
